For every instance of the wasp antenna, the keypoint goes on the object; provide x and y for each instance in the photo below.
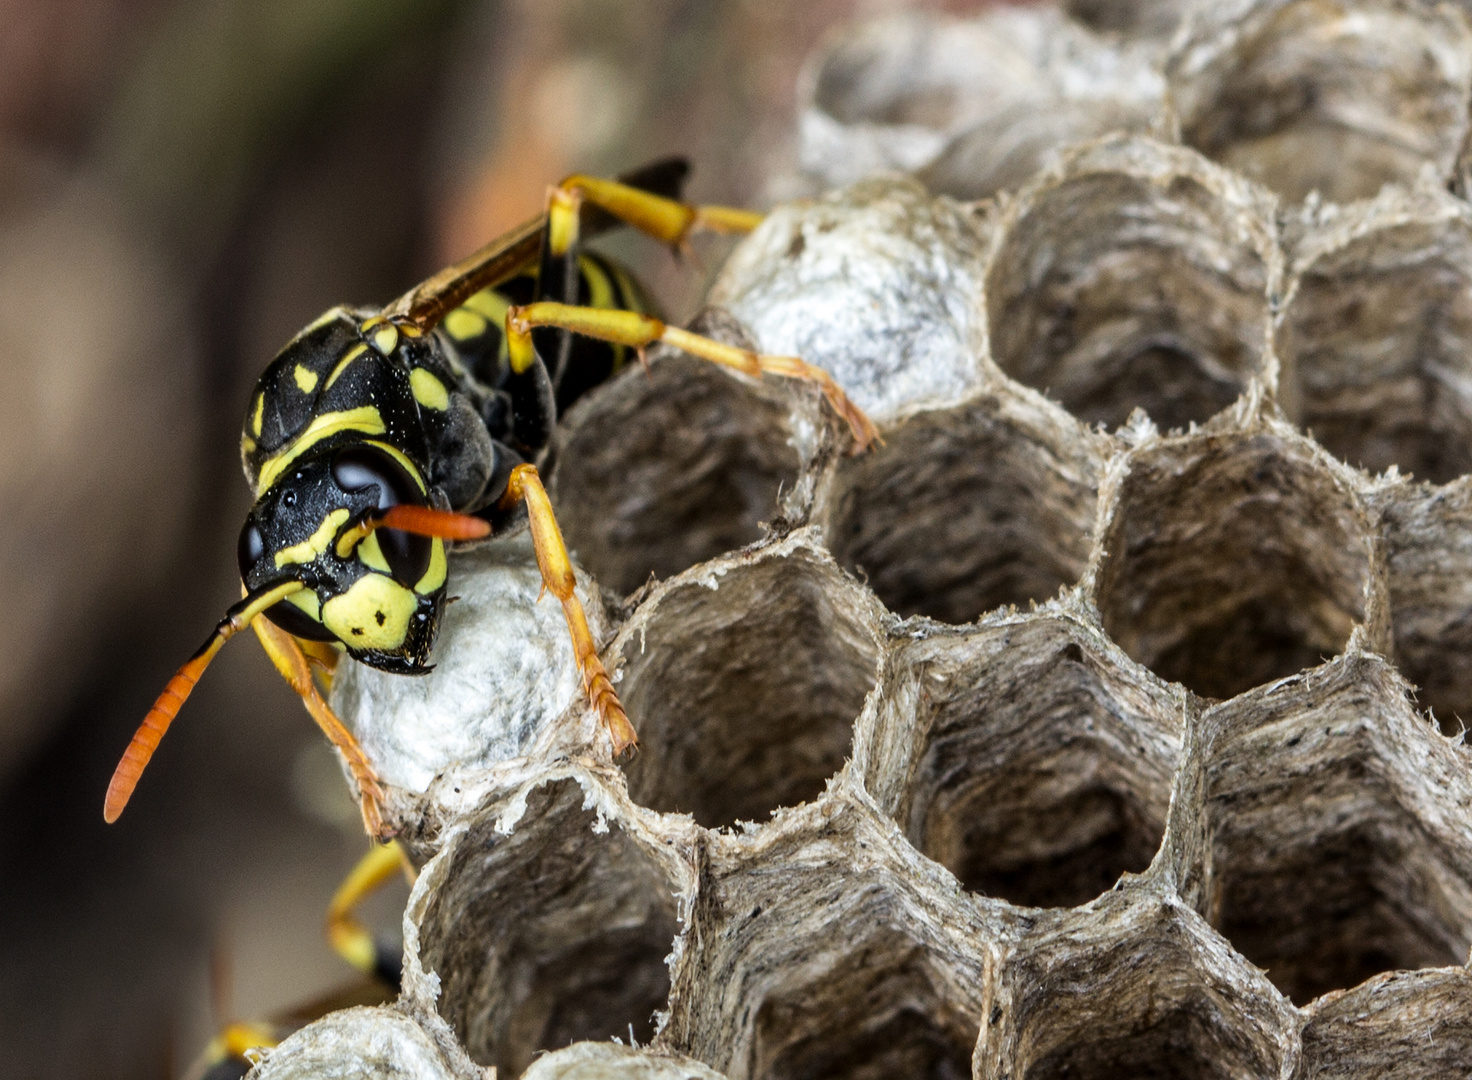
(146, 739)
(423, 521)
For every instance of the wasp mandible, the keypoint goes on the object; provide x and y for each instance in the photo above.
(375, 439)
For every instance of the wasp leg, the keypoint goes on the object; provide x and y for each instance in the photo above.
(348, 937)
(286, 653)
(525, 487)
(666, 220)
(639, 331)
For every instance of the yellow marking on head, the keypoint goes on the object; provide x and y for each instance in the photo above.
(464, 324)
(398, 455)
(373, 614)
(428, 390)
(247, 445)
(308, 602)
(365, 418)
(315, 544)
(306, 381)
(386, 338)
(347, 358)
(371, 555)
(255, 424)
(434, 577)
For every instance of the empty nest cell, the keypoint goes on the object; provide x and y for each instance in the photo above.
(1334, 849)
(966, 509)
(822, 953)
(1135, 987)
(1428, 546)
(1130, 280)
(1337, 98)
(1376, 341)
(1233, 560)
(1044, 759)
(1404, 1026)
(663, 470)
(555, 932)
(743, 679)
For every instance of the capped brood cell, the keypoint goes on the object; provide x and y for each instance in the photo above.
(1375, 335)
(1135, 985)
(1134, 275)
(545, 919)
(1028, 756)
(743, 679)
(1333, 818)
(824, 947)
(878, 283)
(1336, 98)
(1230, 560)
(968, 508)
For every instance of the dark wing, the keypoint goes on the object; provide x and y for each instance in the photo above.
(509, 254)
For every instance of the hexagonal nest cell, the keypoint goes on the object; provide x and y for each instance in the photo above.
(1082, 728)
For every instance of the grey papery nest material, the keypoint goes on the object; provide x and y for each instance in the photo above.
(1070, 732)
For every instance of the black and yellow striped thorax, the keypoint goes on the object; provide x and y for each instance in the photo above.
(359, 413)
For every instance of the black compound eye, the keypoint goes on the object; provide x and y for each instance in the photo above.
(250, 547)
(358, 468)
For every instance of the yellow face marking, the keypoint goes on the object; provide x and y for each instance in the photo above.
(255, 424)
(398, 456)
(315, 544)
(347, 358)
(371, 555)
(428, 390)
(386, 339)
(364, 418)
(306, 381)
(247, 445)
(308, 602)
(434, 577)
(373, 614)
(464, 324)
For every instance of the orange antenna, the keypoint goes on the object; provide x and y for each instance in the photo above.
(419, 520)
(151, 731)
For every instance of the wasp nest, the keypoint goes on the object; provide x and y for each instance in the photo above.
(1102, 722)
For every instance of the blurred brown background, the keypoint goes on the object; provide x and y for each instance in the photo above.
(183, 184)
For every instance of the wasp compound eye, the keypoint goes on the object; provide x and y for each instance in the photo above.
(357, 468)
(250, 547)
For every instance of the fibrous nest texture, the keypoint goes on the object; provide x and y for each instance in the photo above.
(1103, 722)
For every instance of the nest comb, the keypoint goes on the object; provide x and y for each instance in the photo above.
(1101, 723)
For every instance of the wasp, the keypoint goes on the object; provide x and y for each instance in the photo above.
(377, 439)
(228, 1056)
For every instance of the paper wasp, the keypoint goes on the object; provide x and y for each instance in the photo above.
(377, 438)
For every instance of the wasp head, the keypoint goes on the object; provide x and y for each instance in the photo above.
(377, 591)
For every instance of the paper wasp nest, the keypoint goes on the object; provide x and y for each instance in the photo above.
(1071, 732)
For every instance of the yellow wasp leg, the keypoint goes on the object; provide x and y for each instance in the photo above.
(632, 328)
(287, 655)
(667, 220)
(348, 937)
(557, 575)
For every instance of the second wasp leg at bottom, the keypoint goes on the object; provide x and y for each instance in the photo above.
(525, 485)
